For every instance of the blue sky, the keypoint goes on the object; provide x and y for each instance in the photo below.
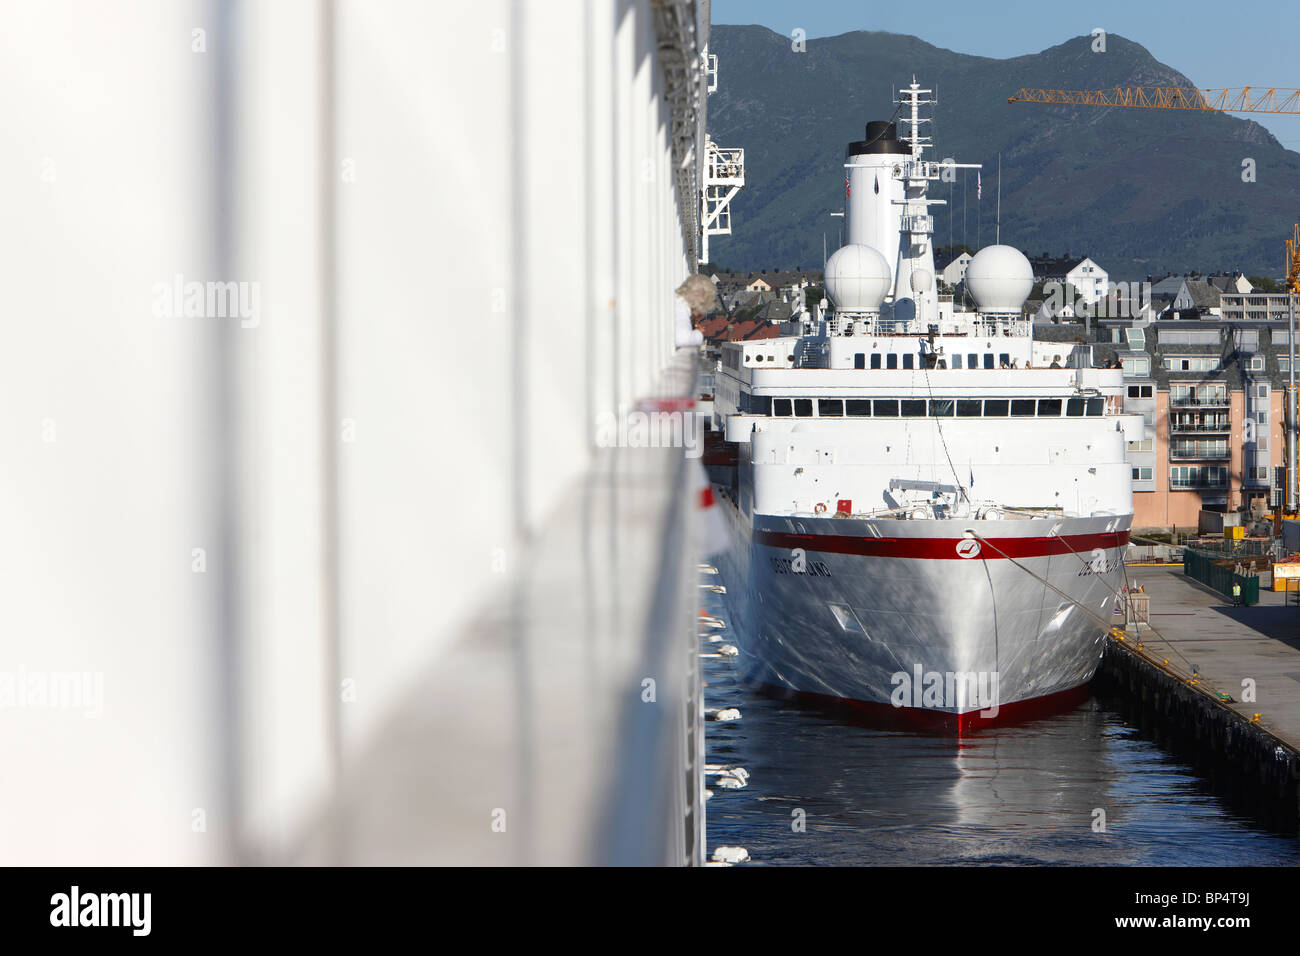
(1213, 44)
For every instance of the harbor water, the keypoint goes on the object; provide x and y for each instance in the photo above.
(1079, 788)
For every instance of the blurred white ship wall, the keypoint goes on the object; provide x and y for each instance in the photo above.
(461, 225)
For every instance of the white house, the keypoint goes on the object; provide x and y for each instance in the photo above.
(955, 270)
(1090, 279)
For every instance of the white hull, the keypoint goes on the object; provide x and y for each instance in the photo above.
(922, 615)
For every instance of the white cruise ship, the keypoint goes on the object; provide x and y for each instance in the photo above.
(929, 509)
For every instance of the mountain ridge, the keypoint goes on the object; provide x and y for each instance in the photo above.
(1140, 191)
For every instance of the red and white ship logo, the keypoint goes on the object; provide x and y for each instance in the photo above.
(968, 548)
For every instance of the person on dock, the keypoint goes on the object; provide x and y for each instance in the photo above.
(1236, 594)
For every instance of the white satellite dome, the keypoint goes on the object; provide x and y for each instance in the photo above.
(857, 278)
(1000, 278)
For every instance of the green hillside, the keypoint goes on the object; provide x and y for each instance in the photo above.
(1141, 191)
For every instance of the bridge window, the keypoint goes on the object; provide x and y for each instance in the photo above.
(968, 408)
(909, 361)
(875, 360)
(803, 407)
(988, 359)
(830, 407)
(858, 407)
(1096, 406)
(860, 360)
(941, 407)
(1074, 407)
(996, 407)
(781, 407)
(891, 361)
(1004, 360)
(972, 360)
(1049, 408)
(956, 360)
(885, 408)
(1022, 407)
(913, 407)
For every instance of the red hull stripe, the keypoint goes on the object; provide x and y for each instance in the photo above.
(942, 549)
(886, 716)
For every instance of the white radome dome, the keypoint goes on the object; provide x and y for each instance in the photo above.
(1000, 279)
(857, 278)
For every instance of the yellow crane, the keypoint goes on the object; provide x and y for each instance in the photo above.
(1293, 262)
(1241, 99)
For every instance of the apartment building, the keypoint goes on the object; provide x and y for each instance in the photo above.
(1212, 394)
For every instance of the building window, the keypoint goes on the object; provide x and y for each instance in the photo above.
(1143, 445)
(1256, 363)
(1136, 366)
(1141, 474)
(1191, 363)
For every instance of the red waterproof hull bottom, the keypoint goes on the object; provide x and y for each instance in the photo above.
(887, 717)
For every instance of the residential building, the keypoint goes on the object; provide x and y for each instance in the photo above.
(1090, 279)
(1255, 306)
(951, 268)
(1212, 398)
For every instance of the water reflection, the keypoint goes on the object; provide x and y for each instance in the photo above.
(1028, 794)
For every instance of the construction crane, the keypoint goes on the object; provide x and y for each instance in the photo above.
(1292, 409)
(1242, 99)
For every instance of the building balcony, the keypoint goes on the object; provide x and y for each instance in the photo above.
(1200, 454)
(1198, 485)
(1202, 401)
(1200, 428)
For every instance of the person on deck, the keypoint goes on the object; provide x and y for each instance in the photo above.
(695, 298)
